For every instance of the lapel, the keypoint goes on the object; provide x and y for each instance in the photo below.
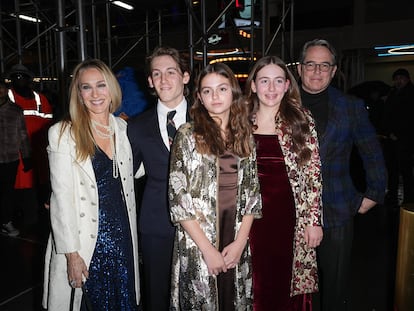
(284, 142)
(334, 120)
(87, 167)
(154, 131)
(120, 133)
(187, 116)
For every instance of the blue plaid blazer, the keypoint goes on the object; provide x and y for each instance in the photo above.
(348, 125)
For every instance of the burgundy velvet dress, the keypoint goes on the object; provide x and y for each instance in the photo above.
(271, 237)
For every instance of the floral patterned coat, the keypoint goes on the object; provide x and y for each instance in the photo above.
(193, 195)
(306, 183)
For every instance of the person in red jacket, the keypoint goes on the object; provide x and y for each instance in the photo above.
(32, 184)
(14, 144)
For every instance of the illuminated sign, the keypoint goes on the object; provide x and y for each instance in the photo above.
(214, 39)
(395, 50)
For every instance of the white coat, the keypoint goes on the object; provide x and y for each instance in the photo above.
(74, 208)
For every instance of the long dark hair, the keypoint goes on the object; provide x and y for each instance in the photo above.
(291, 111)
(207, 131)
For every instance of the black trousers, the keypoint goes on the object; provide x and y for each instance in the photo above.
(405, 161)
(8, 173)
(156, 271)
(334, 263)
(399, 161)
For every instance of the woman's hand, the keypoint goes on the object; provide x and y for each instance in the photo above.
(76, 269)
(212, 257)
(214, 261)
(232, 253)
(313, 236)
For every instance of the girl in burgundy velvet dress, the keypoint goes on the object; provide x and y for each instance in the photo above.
(283, 242)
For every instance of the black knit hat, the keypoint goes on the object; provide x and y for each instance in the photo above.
(401, 72)
(19, 68)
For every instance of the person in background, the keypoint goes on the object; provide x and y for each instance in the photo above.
(214, 197)
(93, 243)
(32, 186)
(283, 241)
(150, 134)
(399, 114)
(14, 144)
(341, 123)
(133, 99)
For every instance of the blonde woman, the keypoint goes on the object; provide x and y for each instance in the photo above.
(93, 243)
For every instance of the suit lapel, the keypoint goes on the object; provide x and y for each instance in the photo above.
(88, 168)
(331, 127)
(86, 165)
(120, 133)
(187, 116)
(155, 131)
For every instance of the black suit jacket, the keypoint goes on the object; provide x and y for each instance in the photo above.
(149, 148)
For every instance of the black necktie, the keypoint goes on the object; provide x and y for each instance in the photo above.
(171, 126)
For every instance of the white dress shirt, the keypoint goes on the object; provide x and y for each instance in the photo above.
(179, 118)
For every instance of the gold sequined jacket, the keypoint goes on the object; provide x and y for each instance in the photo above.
(193, 195)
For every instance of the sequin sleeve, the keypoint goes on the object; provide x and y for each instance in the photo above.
(181, 207)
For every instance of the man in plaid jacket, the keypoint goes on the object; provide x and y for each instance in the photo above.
(341, 122)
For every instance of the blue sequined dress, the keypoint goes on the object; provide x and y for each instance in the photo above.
(110, 285)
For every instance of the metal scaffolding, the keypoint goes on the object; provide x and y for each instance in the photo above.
(73, 30)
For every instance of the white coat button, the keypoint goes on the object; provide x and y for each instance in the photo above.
(82, 214)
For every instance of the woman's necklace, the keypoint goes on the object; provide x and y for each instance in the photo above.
(108, 133)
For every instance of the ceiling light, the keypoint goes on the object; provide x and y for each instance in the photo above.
(232, 59)
(406, 50)
(395, 50)
(220, 53)
(123, 5)
(27, 18)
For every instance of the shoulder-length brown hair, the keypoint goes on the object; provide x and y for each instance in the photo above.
(291, 111)
(207, 131)
(181, 62)
(79, 119)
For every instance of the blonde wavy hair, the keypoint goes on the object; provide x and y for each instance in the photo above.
(78, 119)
